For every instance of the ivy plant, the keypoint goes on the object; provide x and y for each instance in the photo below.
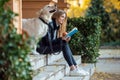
(14, 48)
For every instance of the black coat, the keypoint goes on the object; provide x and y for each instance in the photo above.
(48, 40)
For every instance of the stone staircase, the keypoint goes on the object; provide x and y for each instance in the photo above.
(109, 61)
(54, 67)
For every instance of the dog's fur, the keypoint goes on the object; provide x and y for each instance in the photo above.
(35, 27)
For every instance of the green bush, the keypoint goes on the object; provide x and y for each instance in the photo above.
(110, 21)
(113, 30)
(14, 48)
(86, 41)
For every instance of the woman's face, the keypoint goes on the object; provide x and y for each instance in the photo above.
(61, 19)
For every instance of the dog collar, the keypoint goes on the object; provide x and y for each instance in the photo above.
(43, 20)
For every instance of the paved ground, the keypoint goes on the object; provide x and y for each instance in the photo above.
(105, 76)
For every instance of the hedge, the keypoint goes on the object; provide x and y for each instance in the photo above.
(86, 42)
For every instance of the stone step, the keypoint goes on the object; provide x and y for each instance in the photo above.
(51, 72)
(37, 61)
(51, 58)
(109, 53)
(108, 65)
(63, 62)
(54, 71)
(87, 67)
(72, 78)
(90, 67)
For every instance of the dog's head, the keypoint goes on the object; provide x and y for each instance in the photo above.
(47, 11)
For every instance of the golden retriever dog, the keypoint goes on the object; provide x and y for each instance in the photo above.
(38, 27)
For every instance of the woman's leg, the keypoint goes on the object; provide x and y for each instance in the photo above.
(68, 56)
(58, 45)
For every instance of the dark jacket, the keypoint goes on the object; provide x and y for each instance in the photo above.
(49, 38)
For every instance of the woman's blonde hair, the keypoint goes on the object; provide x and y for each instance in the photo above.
(56, 15)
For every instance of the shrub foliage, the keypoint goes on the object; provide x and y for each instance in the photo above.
(14, 48)
(110, 18)
(86, 41)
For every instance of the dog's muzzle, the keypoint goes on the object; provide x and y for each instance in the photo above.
(52, 11)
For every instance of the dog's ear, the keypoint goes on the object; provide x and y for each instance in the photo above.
(39, 13)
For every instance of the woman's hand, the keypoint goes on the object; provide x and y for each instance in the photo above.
(67, 39)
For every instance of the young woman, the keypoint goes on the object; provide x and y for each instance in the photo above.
(54, 41)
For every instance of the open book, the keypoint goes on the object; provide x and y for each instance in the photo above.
(73, 31)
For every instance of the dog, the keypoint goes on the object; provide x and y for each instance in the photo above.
(38, 27)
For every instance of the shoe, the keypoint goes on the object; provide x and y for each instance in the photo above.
(83, 71)
(79, 72)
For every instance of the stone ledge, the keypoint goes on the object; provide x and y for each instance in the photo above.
(108, 65)
(109, 47)
(52, 58)
(109, 53)
(88, 67)
(37, 61)
(49, 73)
(64, 63)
